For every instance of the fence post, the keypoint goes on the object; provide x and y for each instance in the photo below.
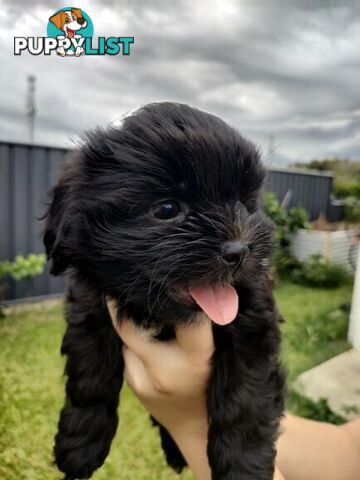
(354, 325)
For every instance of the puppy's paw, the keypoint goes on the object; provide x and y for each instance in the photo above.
(61, 51)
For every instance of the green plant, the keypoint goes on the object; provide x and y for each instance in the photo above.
(286, 223)
(297, 217)
(318, 271)
(320, 410)
(284, 262)
(343, 190)
(21, 267)
(352, 209)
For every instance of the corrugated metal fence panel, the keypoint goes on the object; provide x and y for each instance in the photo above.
(27, 172)
(338, 247)
(26, 175)
(4, 202)
(303, 189)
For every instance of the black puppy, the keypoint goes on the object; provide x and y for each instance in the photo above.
(161, 213)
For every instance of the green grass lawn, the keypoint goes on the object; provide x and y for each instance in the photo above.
(31, 385)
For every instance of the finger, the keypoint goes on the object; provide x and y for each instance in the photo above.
(196, 338)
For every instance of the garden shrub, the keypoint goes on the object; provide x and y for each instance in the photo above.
(352, 209)
(20, 267)
(318, 271)
(23, 267)
(344, 190)
(286, 223)
(284, 262)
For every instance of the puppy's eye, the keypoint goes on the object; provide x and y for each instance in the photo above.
(166, 210)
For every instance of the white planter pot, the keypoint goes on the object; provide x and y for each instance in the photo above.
(339, 247)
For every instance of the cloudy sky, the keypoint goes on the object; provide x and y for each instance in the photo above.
(285, 73)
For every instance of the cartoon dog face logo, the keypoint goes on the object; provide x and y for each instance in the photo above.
(70, 22)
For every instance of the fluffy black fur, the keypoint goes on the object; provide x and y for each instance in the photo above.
(101, 227)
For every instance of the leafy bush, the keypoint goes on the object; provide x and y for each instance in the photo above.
(352, 209)
(284, 262)
(344, 190)
(21, 267)
(286, 223)
(319, 272)
(297, 217)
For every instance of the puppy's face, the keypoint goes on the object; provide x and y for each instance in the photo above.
(160, 208)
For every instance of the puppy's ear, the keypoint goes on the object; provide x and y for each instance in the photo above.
(58, 20)
(55, 232)
(77, 12)
(62, 231)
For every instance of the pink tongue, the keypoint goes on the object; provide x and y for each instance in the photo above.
(219, 302)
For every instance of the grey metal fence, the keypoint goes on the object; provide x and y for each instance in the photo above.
(27, 172)
(308, 189)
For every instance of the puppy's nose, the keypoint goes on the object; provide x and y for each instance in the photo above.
(81, 21)
(234, 252)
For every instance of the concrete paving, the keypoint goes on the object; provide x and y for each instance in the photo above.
(337, 380)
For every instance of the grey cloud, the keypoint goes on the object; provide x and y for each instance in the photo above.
(285, 57)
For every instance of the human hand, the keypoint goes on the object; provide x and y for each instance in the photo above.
(170, 379)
